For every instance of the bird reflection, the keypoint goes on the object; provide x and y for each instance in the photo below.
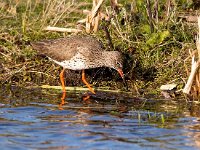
(62, 101)
(60, 106)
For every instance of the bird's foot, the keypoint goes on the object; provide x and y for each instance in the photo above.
(86, 97)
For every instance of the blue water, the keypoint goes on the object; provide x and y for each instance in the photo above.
(34, 121)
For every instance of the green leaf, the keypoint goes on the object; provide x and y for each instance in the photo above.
(157, 38)
(145, 29)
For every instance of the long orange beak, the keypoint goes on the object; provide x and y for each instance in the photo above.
(122, 76)
(121, 73)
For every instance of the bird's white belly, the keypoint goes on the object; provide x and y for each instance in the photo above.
(76, 63)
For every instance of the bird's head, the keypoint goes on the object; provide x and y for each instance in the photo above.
(114, 60)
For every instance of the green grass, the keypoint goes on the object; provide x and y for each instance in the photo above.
(153, 57)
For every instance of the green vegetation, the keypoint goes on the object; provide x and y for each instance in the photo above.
(155, 47)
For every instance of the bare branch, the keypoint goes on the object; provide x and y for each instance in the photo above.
(71, 30)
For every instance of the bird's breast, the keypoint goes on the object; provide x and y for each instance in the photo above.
(78, 62)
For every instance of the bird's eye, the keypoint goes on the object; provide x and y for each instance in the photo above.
(119, 64)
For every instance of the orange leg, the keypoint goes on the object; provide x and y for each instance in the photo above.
(62, 101)
(63, 89)
(62, 80)
(86, 98)
(86, 83)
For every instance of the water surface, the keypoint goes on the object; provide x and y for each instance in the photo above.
(33, 119)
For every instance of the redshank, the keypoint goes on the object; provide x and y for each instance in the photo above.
(79, 53)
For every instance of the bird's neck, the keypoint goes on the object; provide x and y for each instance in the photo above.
(107, 56)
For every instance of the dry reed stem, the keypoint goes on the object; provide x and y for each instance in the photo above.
(71, 30)
(101, 15)
(81, 21)
(92, 21)
(93, 17)
(194, 68)
(96, 9)
(192, 53)
(96, 23)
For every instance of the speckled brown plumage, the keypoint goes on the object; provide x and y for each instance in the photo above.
(88, 48)
(79, 53)
(65, 48)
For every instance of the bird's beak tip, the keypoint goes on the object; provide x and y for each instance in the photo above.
(121, 73)
(122, 76)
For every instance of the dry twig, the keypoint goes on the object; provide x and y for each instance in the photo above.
(92, 20)
(194, 69)
(49, 28)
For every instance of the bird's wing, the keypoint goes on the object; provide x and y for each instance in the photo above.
(58, 49)
(66, 48)
(89, 46)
